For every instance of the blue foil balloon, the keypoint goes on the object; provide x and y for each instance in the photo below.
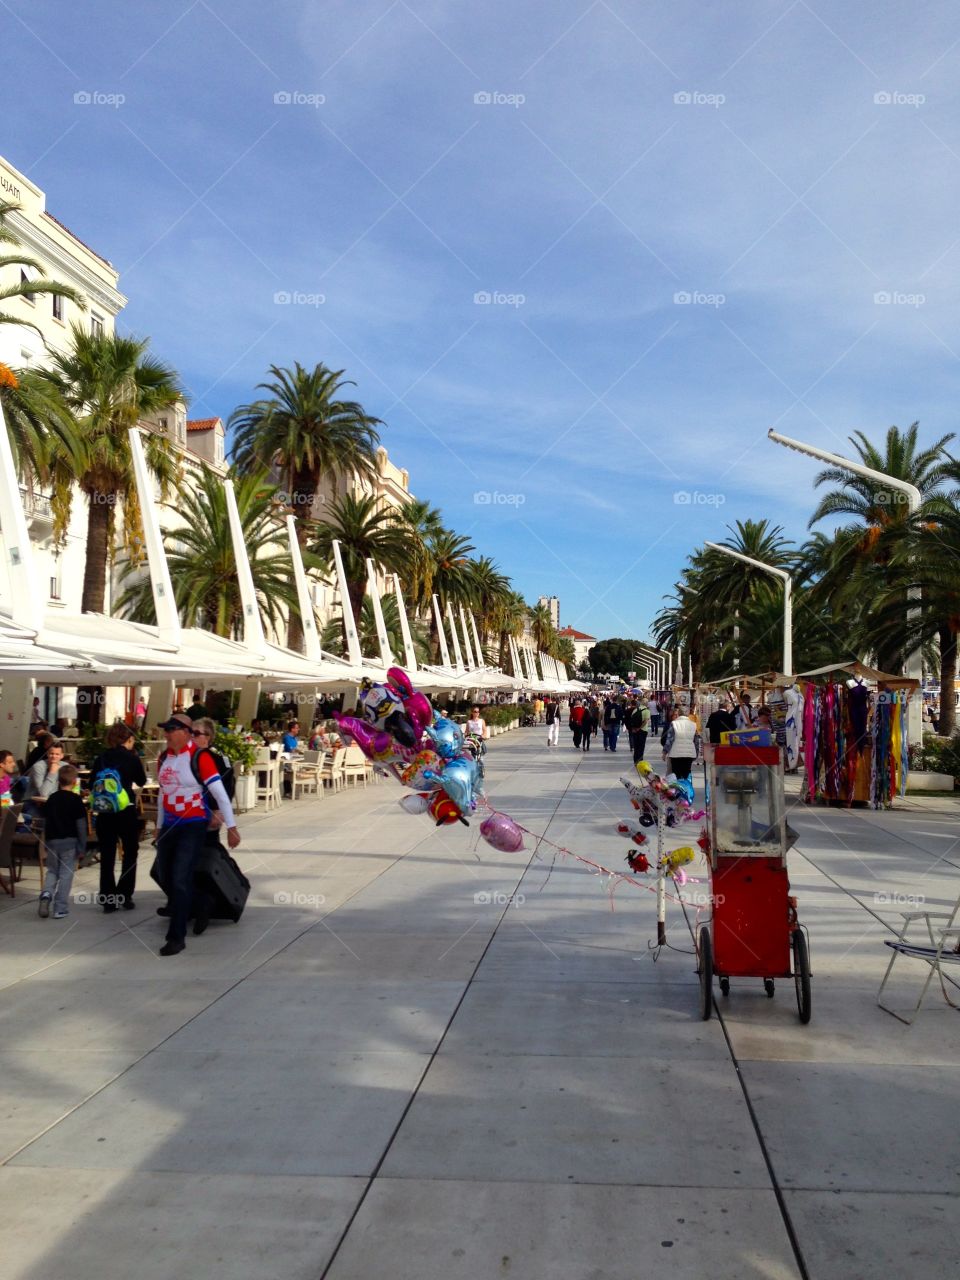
(459, 779)
(447, 737)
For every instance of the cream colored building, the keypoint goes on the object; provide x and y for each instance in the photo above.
(65, 258)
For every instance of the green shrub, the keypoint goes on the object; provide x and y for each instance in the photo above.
(938, 755)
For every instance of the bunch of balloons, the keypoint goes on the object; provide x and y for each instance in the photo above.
(400, 732)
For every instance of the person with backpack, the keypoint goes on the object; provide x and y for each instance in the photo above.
(115, 773)
(189, 779)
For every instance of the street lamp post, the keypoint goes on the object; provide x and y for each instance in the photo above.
(914, 501)
(787, 598)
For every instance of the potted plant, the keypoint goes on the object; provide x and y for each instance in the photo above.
(242, 754)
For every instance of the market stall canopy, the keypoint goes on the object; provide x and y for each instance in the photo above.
(861, 670)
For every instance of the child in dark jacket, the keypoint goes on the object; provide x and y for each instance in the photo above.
(65, 835)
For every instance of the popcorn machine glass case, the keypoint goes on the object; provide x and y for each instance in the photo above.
(747, 810)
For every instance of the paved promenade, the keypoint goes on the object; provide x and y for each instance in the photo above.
(416, 1057)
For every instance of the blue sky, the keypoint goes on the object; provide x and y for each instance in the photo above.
(779, 164)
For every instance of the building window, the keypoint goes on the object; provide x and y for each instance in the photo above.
(25, 279)
(54, 588)
(96, 326)
(163, 425)
(218, 447)
(57, 307)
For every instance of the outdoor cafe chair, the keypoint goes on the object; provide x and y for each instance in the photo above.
(331, 772)
(936, 949)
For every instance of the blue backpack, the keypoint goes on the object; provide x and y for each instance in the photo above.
(108, 794)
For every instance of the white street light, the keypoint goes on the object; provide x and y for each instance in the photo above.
(665, 660)
(914, 502)
(787, 598)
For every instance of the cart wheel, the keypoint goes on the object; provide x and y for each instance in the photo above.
(705, 953)
(769, 987)
(724, 986)
(801, 974)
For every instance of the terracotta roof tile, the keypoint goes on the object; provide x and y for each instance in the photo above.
(202, 424)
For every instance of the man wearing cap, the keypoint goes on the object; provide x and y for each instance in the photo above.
(183, 816)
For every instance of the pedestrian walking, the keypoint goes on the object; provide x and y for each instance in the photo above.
(576, 724)
(115, 773)
(553, 722)
(640, 727)
(657, 719)
(681, 744)
(612, 719)
(185, 814)
(591, 723)
(65, 837)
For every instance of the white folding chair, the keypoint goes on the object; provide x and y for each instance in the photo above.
(304, 777)
(332, 770)
(263, 767)
(935, 955)
(354, 765)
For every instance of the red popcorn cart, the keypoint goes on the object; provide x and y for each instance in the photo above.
(754, 931)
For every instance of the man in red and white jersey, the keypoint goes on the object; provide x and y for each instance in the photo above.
(183, 816)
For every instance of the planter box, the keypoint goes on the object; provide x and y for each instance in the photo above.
(246, 796)
(922, 781)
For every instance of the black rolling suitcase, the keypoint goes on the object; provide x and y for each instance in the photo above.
(221, 881)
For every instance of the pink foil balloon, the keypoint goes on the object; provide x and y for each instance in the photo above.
(502, 833)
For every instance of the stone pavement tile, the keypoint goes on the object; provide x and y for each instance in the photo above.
(557, 1119)
(41, 1086)
(303, 1018)
(422, 1230)
(850, 1235)
(847, 1026)
(226, 950)
(329, 1114)
(324, 953)
(523, 954)
(91, 1014)
(854, 1127)
(591, 1020)
(155, 1226)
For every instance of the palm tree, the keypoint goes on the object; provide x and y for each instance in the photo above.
(541, 625)
(363, 532)
(203, 566)
(38, 422)
(109, 383)
(307, 433)
(509, 620)
(26, 288)
(489, 588)
(450, 573)
(854, 568)
(421, 522)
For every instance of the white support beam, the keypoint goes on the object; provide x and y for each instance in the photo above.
(386, 653)
(253, 636)
(164, 602)
(346, 608)
(438, 618)
(409, 653)
(26, 601)
(311, 638)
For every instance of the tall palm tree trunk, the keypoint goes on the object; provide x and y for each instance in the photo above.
(99, 528)
(948, 675)
(90, 698)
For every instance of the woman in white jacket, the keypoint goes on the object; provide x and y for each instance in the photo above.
(682, 744)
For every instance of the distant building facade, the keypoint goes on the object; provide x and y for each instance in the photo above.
(553, 604)
(582, 643)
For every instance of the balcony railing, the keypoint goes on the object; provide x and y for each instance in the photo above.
(36, 505)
